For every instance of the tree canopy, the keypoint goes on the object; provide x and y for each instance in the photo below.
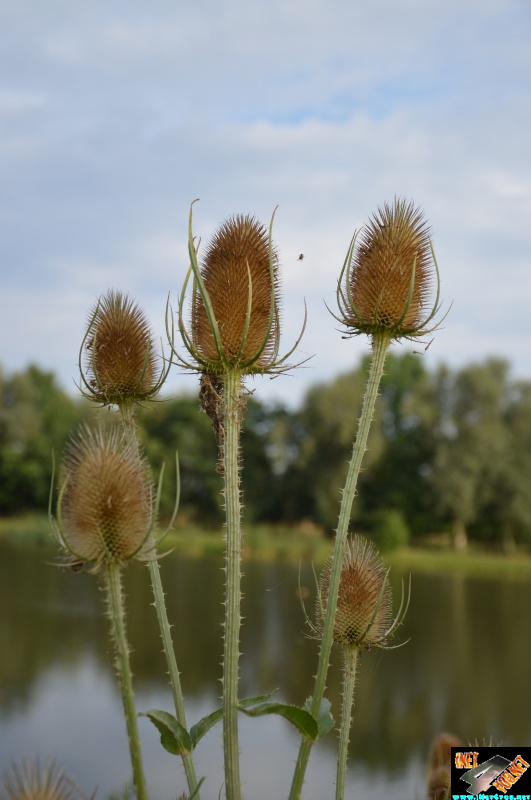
(450, 450)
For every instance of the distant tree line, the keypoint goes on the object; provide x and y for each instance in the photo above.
(449, 451)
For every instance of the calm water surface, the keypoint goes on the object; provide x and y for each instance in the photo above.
(465, 669)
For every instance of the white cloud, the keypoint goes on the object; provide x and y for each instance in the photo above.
(116, 118)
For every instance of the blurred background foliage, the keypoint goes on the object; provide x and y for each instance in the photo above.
(449, 452)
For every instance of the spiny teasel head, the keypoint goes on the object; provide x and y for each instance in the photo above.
(389, 275)
(105, 506)
(441, 750)
(439, 780)
(363, 615)
(120, 362)
(235, 317)
(29, 781)
(238, 257)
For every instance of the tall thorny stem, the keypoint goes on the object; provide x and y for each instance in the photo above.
(230, 442)
(128, 422)
(121, 369)
(350, 660)
(104, 515)
(380, 345)
(382, 291)
(113, 584)
(234, 332)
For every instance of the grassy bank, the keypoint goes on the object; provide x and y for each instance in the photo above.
(268, 543)
(474, 562)
(27, 529)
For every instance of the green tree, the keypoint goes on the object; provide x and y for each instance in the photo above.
(325, 428)
(507, 513)
(471, 442)
(263, 459)
(398, 480)
(180, 425)
(177, 425)
(36, 417)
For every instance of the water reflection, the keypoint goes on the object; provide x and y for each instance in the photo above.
(465, 669)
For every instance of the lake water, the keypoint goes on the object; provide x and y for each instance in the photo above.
(465, 670)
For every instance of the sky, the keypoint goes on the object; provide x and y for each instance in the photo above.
(115, 115)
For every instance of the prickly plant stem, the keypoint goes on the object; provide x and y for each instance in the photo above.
(230, 453)
(350, 658)
(127, 418)
(380, 345)
(113, 585)
(127, 415)
(175, 680)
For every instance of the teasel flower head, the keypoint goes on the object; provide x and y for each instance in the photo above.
(389, 276)
(235, 314)
(363, 616)
(120, 365)
(441, 750)
(105, 510)
(439, 784)
(31, 782)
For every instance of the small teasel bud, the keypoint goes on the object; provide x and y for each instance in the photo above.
(105, 507)
(120, 362)
(240, 275)
(363, 615)
(389, 274)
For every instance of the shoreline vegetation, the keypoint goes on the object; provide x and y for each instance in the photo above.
(429, 462)
(433, 554)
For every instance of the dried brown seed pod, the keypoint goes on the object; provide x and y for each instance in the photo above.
(105, 506)
(28, 781)
(120, 362)
(238, 257)
(441, 750)
(439, 784)
(389, 275)
(363, 615)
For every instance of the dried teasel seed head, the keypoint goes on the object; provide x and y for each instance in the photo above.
(363, 614)
(439, 784)
(238, 253)
(120, 363)
(105, 508)
(28, 781)
(441, 750)
(390, 275)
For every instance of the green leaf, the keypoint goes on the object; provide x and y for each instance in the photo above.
(196, 790)
(325, 720)
(302, 719)
(253, 701)
(198, 730)
(173, 736)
